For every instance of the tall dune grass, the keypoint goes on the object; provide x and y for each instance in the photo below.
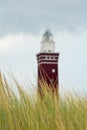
(49, 113)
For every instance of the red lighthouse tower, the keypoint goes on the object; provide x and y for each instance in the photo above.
(48, 62)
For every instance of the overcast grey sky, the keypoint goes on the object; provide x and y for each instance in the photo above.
(21, 25)
(31, 15)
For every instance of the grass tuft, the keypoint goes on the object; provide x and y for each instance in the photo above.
(49, 113)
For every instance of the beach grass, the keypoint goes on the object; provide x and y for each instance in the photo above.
(47, 113)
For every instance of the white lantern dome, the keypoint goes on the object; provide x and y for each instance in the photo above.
(47, 43)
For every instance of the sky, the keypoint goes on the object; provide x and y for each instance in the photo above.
(22, 23)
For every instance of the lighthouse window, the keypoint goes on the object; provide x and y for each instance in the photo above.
(49, 50)
(53, 70)
(44, 50)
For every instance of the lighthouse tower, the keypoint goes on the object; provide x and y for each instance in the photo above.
(47, 61)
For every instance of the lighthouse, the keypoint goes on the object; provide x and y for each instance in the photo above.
(47, 61)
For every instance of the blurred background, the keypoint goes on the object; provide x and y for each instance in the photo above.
(22, 24)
